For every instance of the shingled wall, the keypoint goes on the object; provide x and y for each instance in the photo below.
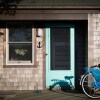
(93, 39)
(33, 78)
(20, 77)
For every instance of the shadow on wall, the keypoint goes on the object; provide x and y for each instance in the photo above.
(9, 6)
(63, 85)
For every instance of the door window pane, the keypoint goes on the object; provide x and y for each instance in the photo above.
(60, 48)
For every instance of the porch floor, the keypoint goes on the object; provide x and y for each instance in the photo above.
(42, 95)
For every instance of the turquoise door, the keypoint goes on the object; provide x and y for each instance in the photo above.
(60, 66)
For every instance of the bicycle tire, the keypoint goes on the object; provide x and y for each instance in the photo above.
(87, 86)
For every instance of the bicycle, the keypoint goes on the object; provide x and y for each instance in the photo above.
(90, 82)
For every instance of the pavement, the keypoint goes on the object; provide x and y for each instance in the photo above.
(43, 95)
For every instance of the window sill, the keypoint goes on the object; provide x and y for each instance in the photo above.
(18, 66)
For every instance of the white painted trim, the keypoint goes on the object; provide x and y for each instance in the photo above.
(7, 50)
(33, 36)
(7, 46)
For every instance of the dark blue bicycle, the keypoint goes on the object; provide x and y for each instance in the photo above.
(90, 82)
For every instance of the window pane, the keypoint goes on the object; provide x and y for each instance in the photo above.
(20, 32)
(20, 52)
(60, 48)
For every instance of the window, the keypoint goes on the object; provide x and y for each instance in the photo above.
(60, 48)
(19, 44)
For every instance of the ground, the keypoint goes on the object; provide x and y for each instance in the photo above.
(42, 95)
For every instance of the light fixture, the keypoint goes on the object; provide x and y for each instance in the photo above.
(1, 31)
(39, 32)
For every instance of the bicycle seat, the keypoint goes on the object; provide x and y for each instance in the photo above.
(68, 77)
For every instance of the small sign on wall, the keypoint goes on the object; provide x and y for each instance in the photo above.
(39, 45)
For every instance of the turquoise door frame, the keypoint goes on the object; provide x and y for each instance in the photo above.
(59, 74)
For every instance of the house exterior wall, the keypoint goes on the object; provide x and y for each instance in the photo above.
(33, 78)
(25, 77)
(93, 39)
(22, 78)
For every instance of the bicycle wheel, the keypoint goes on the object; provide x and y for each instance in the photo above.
(88, 88)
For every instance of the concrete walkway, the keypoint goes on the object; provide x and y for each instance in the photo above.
(42, 95)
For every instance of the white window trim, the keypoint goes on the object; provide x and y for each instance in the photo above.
(7, 50)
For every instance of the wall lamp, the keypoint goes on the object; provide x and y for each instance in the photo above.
(1, 31)
(39, 32)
